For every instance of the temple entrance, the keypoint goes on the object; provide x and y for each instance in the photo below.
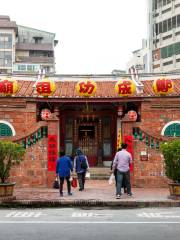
(87, 139)
(92, 130)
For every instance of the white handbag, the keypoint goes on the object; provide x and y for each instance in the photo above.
(111, 179)
(88, 175)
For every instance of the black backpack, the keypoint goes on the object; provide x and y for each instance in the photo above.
(83, 162)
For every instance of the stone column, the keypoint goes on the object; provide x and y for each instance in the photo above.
(100, 150)
(53, 129)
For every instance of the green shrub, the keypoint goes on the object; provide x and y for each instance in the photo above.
(171, 152)
(10, 154)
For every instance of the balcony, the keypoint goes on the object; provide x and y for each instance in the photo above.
(35, 46)
(46, 60)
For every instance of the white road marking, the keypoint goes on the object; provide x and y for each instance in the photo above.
(29, 214)
(86, 222)
(157, 215)
(89, 214)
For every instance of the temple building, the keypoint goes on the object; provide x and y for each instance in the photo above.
(95, 113)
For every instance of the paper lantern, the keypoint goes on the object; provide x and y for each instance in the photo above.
(125, 87)
(45, 114)
(163, 86)
(8, 86)
(132, 115)
(45, 87)
(86, 88)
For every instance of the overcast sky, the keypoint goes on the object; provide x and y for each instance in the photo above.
(95, 36)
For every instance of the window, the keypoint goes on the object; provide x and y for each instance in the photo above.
(160, 27)
(173, 130)
(170, 50)
(167, 63)
(165, 26)
(5, 130)
(167, 37)
(177, 5)
(106, 122)
(156, 29)
(169, 24)
(21, 67)
(164, 53)
(5, 41)
(174, 22)
(178, 20)
(177, 48)
(5, 58)
(69, 136)
(166, 10)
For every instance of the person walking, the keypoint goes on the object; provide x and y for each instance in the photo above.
(121, 162)
(63, 169)
(115, 175)
(81, 165)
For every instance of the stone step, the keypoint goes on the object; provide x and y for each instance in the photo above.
(100, 173)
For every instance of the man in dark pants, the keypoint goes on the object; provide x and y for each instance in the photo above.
(63, 169)
(121, 162)
(81, 165)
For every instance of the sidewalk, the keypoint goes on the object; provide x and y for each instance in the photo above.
(97, 193)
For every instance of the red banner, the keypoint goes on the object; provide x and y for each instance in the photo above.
(52, 152)
(129, 141)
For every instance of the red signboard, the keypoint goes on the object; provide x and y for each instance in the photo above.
(52, 152)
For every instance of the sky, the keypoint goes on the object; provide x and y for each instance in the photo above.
(95, 36)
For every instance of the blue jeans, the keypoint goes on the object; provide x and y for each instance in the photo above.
(120, 176)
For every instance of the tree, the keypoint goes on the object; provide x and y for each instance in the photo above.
(10, 154)
(171, 152)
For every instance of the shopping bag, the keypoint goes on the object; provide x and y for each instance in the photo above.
(111, 179)
(56, 183)
(74, 183)
(88, 175)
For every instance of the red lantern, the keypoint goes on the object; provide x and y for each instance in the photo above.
(8, 86)
(125, 87)
(132, 115)
(45, 87)
(163, 86)
(86, 88)
(45, 114)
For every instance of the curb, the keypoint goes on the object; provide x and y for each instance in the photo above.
(87, 203)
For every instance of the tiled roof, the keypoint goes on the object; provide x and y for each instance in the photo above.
(105, 89)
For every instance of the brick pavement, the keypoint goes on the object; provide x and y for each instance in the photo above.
(96, 191)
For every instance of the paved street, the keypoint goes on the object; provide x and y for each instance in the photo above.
(73, 223)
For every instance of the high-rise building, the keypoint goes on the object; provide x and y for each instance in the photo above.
(164, 36)
(24, 49)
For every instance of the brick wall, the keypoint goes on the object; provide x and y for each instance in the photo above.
(20, 114)
(32, 171)
(155, 114)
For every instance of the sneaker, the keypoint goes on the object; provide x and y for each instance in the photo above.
(70, 194)
(129, 194)
(81, 189)
(118, 196)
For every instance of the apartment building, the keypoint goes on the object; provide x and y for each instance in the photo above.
(24, 49)
(164, 35)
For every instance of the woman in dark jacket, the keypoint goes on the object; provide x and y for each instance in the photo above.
(64, 168)
(81, 165)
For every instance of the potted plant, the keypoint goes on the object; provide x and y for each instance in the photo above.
(10, 154)
(171, 152)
